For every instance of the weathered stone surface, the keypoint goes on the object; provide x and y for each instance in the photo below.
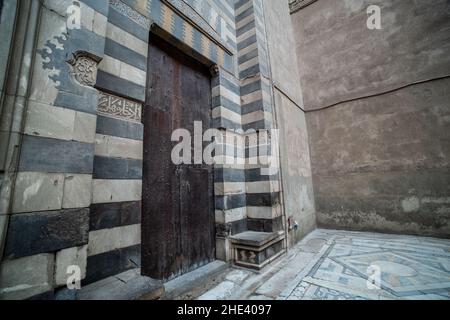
(353, 60)
(375, 201)
(43, 88)
(128, 285)
(370, 156)
(266, 225)
(52, 155)
(125, 88)
(113, 168)
(120, 128)
(225, 216)
(84, 127)
(123, 51)
(112, 262)
(253, 238)
(229, 202)
(38, 192)
(59, 123)
(281, 42)
(106, 240)
(117, 147)
(8, 14)
(77, 191)
(107, 191)
(223, 251)
(299, 202)
(38, 232)
(380, 154)
(26, 277)
(264, 212)
(111, 215)
(194, 279)
(76, 256)
(48, 121)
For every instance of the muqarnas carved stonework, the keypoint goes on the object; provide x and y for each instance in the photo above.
(119, 108)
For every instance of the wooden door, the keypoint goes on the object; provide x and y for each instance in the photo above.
(178, 232)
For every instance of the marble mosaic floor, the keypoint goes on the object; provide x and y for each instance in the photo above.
(341, 265)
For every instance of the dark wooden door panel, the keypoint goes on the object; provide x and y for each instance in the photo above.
(160, 196)
(197, 232)
(178, 201)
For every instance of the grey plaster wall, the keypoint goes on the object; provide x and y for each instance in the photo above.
(341, 59)
(296, 170)
(380, 152)
(294, 150)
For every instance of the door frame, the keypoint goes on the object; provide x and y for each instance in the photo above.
(222, 248)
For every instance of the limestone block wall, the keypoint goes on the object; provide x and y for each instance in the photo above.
(264, 211)
(378, 109)
(50, 174)
(72, 188)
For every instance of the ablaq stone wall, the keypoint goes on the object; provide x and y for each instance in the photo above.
(74, 188)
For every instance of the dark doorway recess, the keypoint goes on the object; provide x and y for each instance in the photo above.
(178, 233)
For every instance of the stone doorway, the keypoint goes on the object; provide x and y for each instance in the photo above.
(178, 228)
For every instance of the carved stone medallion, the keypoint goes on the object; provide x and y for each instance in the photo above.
(84, 68)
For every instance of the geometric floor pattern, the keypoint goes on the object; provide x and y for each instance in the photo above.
(366, 266)
(345, 265)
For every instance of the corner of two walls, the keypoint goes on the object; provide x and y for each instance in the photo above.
(378, 109)
(77, 191)
(295, 167)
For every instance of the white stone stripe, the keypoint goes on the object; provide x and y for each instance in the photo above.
(224, 160)
(256, 116)
(116, 147)
(226, 216)
(250, 80)
(230, 151)
(252, 97)
(106, 240)
(248, 64)
(109, 191)
(229, 188)
(246, 35)
(227, 6)
(260, 160)
(221, 112)
(59, 123)
(126, 39)
(228, 94)
(123, 70)
(250, 48)
(262, 187)
(244, 7)
(93, 20)
(245, 21)
(266, 95)
(222, 146)
(233, 166)
(263, 212)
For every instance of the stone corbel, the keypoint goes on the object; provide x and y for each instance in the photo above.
(84, 67)
(214, 70)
